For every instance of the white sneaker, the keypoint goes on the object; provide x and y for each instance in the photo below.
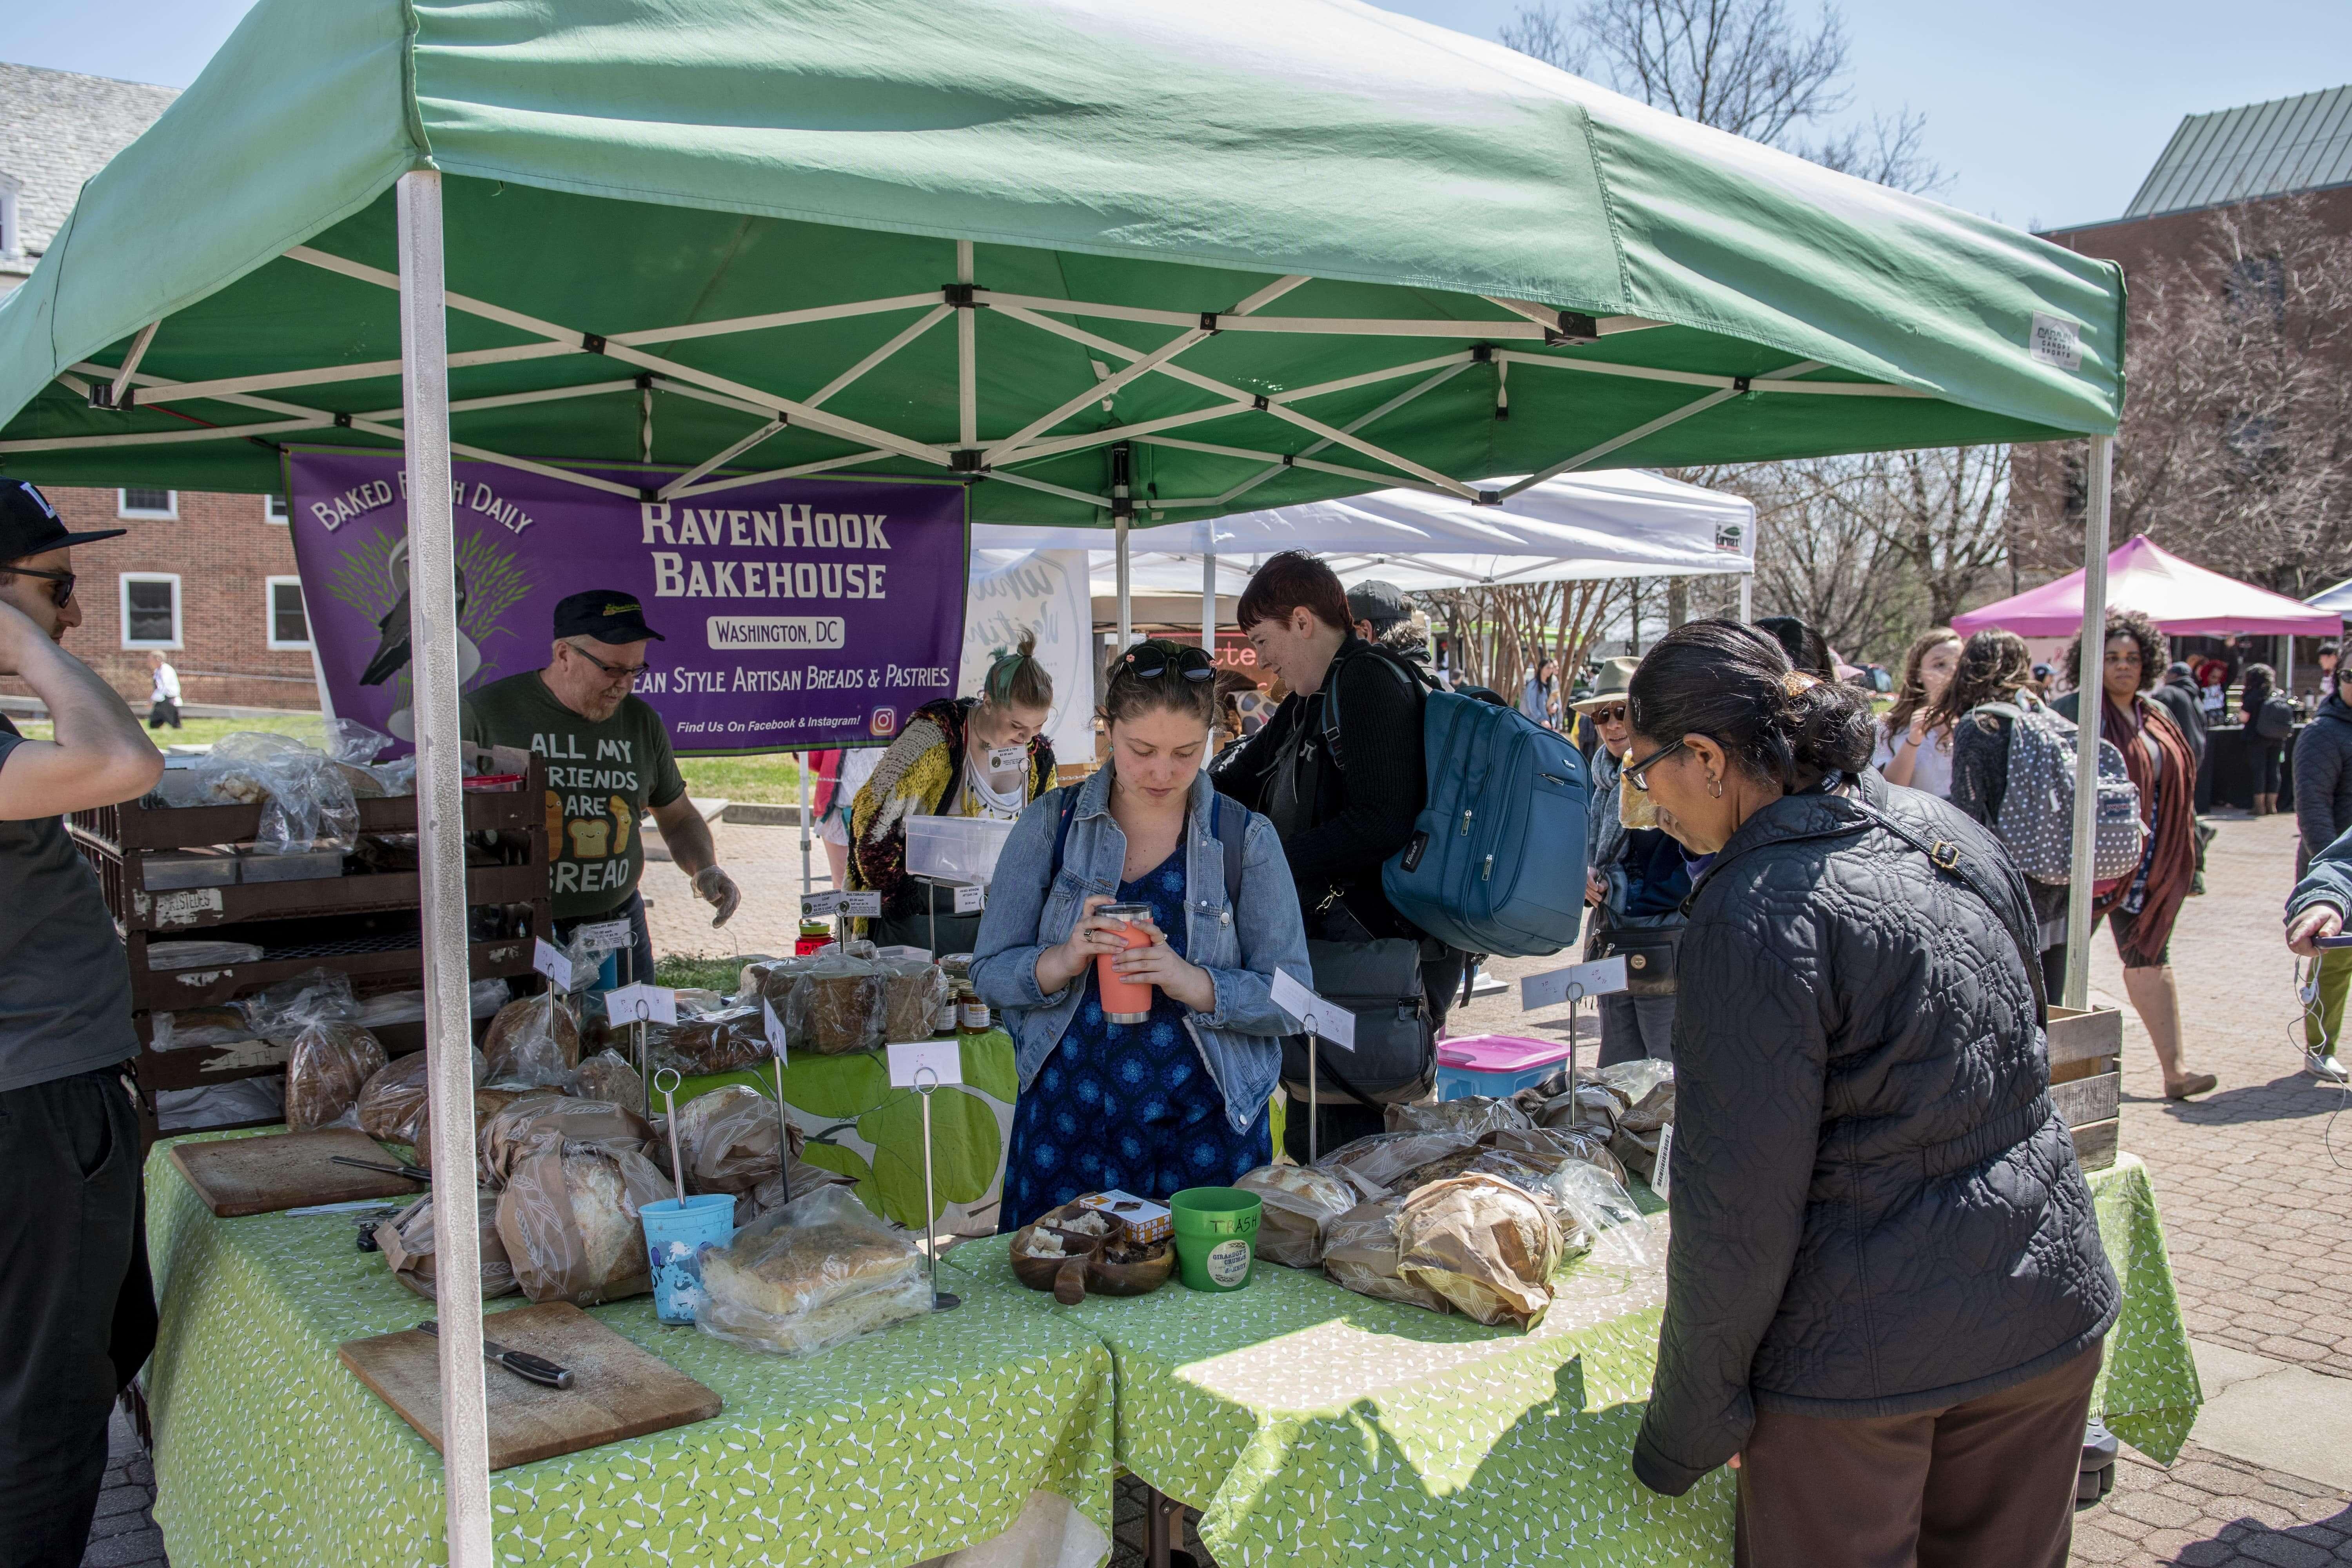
(2325, 1068)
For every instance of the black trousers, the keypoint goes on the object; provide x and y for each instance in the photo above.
(1344, 1120)
(76, 1310)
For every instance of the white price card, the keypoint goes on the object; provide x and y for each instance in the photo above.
(605, 936)
(641, 1004)
(923, 954)
(1315, 1014)
(971, 900)
(775, 1026)
(1602, 977)
(549, 960)
(1004, 759)
(821, 906)
(926, 1064)
(868, 905)
(1662, 1178)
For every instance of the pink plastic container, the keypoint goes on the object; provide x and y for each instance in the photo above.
(1498, 1064)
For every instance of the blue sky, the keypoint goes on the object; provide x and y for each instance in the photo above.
(2046, 112)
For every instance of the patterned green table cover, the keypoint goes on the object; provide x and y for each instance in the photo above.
(1311, 1425)
(923, 1439)
(858, 1125)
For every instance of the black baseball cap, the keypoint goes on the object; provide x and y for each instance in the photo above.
(29, 525)
(606, 614)
(1377, 601)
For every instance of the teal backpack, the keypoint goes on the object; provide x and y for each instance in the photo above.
(1495, 863)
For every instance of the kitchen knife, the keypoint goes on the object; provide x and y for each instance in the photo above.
(413, 1172)
(522, 1364)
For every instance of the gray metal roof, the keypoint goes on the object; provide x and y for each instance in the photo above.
(2258, 150)
(56, 130)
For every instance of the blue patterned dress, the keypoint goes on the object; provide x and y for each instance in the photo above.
(1130, 1106)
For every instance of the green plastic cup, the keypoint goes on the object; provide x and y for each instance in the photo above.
(1216, 1235)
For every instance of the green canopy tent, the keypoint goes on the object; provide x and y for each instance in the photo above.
(1150, 258)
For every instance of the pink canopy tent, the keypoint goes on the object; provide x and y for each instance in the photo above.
(2186, 600)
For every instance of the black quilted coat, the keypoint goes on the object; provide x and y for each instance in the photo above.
(1875, 1210)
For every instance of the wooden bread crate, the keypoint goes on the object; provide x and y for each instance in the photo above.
(2086, 1079)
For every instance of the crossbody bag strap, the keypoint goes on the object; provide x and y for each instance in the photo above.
(1945, 855)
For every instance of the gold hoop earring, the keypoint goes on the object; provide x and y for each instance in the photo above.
(1714, 788)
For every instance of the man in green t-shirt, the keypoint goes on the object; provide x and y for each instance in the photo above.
(608, 768)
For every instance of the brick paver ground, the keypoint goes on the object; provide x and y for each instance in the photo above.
(2257, 1210)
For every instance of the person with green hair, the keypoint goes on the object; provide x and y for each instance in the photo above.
(961, 756)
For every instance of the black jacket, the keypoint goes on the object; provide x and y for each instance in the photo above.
(1876, 1209)
(2181, 700)
(2322, 777)
(1362, 810)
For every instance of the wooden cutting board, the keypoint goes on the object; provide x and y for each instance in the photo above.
(617, 1390)
(237, 1176)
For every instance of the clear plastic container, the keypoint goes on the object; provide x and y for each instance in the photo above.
(190, 868)
(956, 848)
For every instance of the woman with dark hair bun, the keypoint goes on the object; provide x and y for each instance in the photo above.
(1886, 1295)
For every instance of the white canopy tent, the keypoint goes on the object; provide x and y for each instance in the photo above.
(1618, 524)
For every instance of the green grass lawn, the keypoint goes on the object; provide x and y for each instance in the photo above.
(202, 731)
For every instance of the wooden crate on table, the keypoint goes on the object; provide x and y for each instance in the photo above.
(362, 924)
(2086, 1079)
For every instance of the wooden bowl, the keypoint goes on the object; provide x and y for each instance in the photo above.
(1105, 1277)
(1065, 1276)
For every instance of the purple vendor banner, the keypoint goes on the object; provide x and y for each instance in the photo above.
(796, 613)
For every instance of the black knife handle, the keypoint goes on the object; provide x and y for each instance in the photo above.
(538, 1369)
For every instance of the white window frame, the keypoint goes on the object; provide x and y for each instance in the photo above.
(170, 512)
(123, 607)
(12, 235)
(270, 514)
(269, 586)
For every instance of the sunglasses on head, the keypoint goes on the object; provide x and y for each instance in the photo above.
(1154, 660)
(61, 583)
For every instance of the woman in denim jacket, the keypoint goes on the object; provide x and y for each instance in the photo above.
(1180, 1099)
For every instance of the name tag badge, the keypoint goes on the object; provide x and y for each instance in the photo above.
(1004, 759)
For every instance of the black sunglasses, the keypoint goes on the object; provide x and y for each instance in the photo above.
(1637, 774)
(61, 583)
(1154, 660)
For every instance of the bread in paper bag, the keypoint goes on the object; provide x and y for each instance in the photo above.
(407, 1245)
(1359, 1254)
(570, 1223)
(1296, 1201)
(540, 1123)
(1375, 1162)
(1483, 1245)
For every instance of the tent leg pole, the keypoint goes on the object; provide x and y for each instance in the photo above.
(806, 886)
(1746, 596)
(1209, 604)
(441, 846)
(2089, 706)
(1126, 598)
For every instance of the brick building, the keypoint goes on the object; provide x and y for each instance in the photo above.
(208, 580)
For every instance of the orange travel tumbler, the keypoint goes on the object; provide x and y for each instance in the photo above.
(1124, 1000)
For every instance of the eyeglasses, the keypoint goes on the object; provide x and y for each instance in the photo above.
(1153, 661)
(1616, 715)
(61, 583)
(1637, 774)
(615, 673)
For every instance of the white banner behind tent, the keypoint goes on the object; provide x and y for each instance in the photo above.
(1045, 589)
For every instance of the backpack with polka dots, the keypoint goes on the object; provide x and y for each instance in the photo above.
(2036, 819)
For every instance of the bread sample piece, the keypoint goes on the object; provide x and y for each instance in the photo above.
(326, 1066)
(570, 1221)
(817, 1273)
(1483, 1245)
(1295, 1202)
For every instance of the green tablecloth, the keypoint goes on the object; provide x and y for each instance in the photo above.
(858, 1125)
(1312, 1425)
(924, 1440)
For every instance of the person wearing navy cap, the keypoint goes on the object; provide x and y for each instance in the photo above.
(74, 1290)
(609, 767)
